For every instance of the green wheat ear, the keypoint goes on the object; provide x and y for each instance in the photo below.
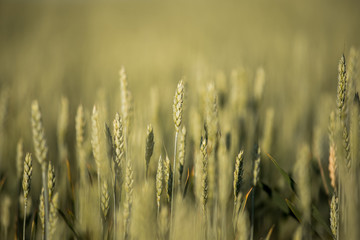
(178, 105)
(238, 173)
(182, 143)
(334, 221)
(149, 146)
(159, 182)
(26, 184)
(204, 175)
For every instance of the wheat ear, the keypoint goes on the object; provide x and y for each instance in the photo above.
(177, 117)
(19, 159)
(105, 199)
(159, 183)
(54, 204)
(238, 173)
(256, 175)
(168, 179)
(51, 180)
(119, 152)
(302, 167)
(332, 151)
(182, 143)
(342, 93)
(128, 197)
(334, 221)
(26, 184)
(95, 142)
(149, 147)
(41, 151)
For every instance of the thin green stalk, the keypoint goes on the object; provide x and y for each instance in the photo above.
(24, 225)
(46, 200)
(99, 191)
(115, 224)
(338, 213)
(173, 188)
(252, 214)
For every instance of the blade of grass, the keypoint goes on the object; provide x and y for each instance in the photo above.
(293, 209)
(186, 183)
(68, 223)
(317, 216)
(270, 232)
(285, 175)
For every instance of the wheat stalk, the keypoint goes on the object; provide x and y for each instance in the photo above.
(177, 117)
(95, 142)
(119, 152)
(41, 151)
(128, 197)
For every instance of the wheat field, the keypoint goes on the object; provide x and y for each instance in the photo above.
(179, 120)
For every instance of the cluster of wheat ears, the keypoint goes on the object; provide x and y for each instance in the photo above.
(198, 192)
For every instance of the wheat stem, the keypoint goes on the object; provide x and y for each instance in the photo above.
(46, 200)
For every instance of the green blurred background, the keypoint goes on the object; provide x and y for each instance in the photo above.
(73, 49)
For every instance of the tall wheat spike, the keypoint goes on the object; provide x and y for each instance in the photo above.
(95, 142)
(19, 159)
(26, 184)
(63, 122)
(41, 151)
(334, 216)
(119, 153)
(256, 176)
(51, 180)
(238, 172)
(302, 168)
(182, 148)
(343, 108)
(159, 183)
(128, 197)
(332, 151)
(204, 175)
(53, 219)
(168, 179)
(80, 128)
(126, 103)
(105, 199)
(177, 117)
(149, 147)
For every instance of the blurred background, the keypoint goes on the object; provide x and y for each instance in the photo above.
(76, 48)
